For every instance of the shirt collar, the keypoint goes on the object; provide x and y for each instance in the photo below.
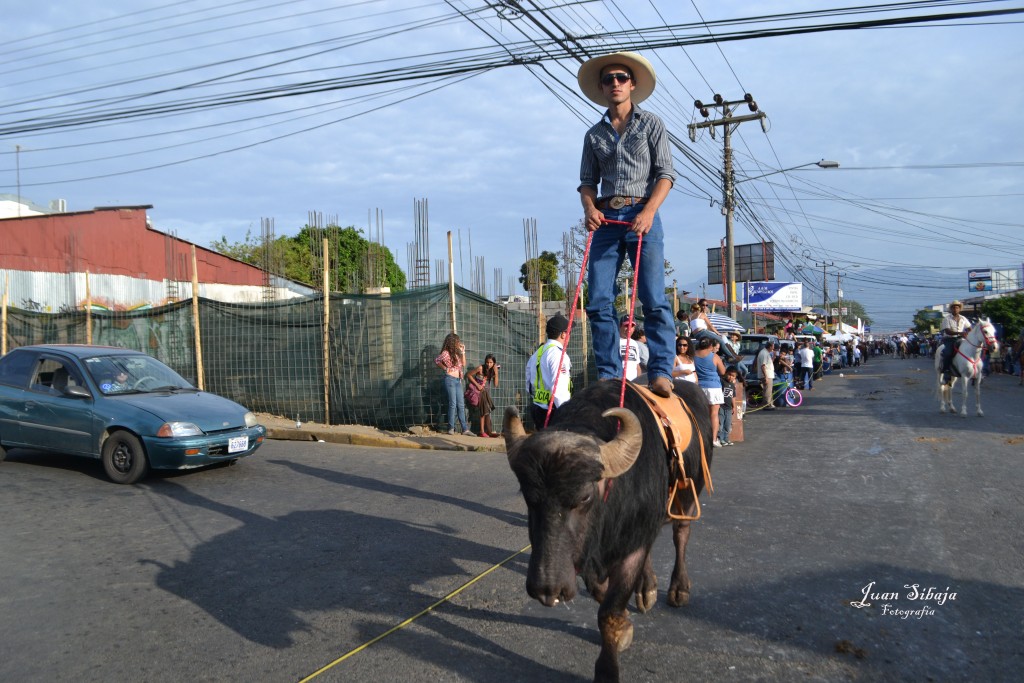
(632, 114)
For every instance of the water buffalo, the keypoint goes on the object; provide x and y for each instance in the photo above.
(596, 496)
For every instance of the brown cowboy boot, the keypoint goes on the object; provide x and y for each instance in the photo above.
(662, 386)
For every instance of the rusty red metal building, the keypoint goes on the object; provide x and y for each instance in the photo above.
(113, 241)
(129, 263)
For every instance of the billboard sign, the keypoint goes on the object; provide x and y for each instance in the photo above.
(1003, 280)
(774, 296)
(753, 262)
(979, 280)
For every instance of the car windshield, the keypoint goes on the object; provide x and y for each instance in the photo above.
(133, 374)
(750, 347)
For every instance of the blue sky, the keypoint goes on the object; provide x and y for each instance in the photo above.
(921, 119)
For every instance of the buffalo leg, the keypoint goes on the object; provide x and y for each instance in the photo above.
(613, 619)
(646, 587)
(596, 587)
(679, 589)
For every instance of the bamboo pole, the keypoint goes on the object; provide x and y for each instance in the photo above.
(451, 282)
(3, 317)
(88, 310)
(583, 325)
(195, 323)
(327, 330)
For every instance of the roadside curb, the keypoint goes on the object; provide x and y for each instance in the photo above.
(328, 435)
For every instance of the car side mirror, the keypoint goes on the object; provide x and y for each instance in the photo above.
(75, 391)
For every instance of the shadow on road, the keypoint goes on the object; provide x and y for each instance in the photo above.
(267, 577)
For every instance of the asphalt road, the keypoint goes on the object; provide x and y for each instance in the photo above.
(306, 554)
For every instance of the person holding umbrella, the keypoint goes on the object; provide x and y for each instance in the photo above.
(701, 327)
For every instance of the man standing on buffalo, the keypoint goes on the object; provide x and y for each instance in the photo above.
(542, 369)
(626, 156)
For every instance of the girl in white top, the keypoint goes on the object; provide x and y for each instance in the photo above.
(684, 367)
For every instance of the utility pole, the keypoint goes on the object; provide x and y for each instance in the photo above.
(824, 286)
(17, 163)
(728, 122)
(839, 295)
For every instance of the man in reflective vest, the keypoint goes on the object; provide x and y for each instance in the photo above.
(542, 368)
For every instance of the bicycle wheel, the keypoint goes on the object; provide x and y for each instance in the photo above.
(794, 397)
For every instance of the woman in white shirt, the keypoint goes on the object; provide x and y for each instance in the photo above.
(684, 367)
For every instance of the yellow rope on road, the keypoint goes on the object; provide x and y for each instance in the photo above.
(411, 619)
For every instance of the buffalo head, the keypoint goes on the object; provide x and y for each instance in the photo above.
(561, 474)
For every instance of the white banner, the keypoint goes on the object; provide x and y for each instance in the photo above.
(774, 296)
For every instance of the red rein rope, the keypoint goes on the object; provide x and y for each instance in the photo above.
(572, 316)
(632, 307)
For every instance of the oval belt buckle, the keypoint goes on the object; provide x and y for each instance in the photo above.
(617, 202)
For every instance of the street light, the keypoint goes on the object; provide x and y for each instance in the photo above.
(728, 182)
(824, 163)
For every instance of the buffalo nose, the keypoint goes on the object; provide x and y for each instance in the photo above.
(550, 596)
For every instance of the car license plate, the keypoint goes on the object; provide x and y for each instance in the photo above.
(238, 444)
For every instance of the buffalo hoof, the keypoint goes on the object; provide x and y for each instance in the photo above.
(616, 636)
(679, 595)
(645, 599)
(625, 637)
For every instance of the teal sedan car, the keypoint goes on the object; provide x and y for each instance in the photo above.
(122, 407)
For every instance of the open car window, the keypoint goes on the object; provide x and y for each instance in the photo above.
(53, 376)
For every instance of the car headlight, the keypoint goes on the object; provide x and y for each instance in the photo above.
(250, 420)
(170, 429)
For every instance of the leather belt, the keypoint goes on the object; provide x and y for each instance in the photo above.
(619, 202)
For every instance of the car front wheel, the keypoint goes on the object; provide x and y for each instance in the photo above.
(124, 458)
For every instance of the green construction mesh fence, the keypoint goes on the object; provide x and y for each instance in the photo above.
(270, 356)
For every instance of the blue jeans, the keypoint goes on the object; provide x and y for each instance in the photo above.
(808, 374)
(783, 381)
(610, 245)
(724, 423)
(456, 403)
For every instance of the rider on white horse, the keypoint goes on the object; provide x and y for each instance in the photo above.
(954, 328)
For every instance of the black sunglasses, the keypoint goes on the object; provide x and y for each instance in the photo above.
(617, 77)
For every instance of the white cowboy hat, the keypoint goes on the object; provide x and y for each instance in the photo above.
(643, 76)
(956, 303)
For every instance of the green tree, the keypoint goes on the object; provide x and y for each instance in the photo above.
(248, 250)
(854, 310)
(546, 270)
(356, 263)
(926, 321)
(1008, 311)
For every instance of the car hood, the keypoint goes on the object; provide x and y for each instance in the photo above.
(209, 412)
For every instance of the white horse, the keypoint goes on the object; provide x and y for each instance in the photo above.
(966, 362)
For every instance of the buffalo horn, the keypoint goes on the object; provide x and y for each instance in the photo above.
(513, 431)
(619, 454)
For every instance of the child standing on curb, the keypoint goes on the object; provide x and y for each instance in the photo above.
(728, 405)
